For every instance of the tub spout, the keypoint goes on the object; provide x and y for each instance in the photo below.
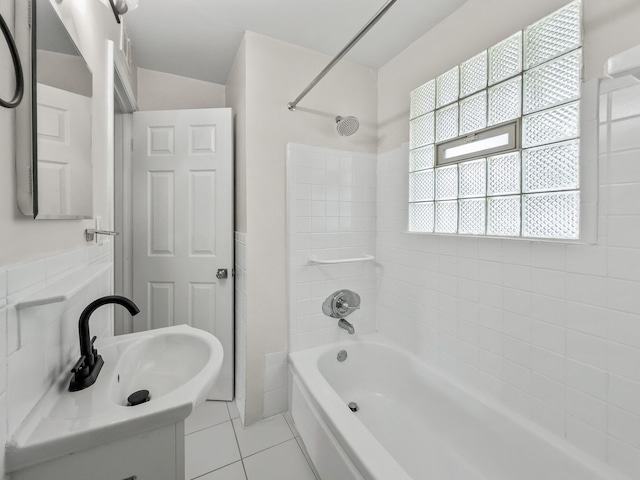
(347, 326)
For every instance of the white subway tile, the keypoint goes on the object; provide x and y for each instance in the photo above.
(623, 295)
(517, 326)
(551, 418)
(548, 309)
(25, 276)
(624, 328)
(516, 276)
(549, 364)
(624, 393)
(624, 426)
(587, 349)
(625, 102)
(624, 134)
(624, 457)
(490, 295)
(517, 351)
(622, 230)
(624, 167)
(549, 337)
(624, 360)
(490, 272)
(548, 390)
(548, 255)
(516, 252)
(548, 282)
(490, 317)
(517, 301)
(490, 249)
(589, 439)
(516, 375)
(516, 400)
(587, 408)
(587, 319)
(624, 263)
(624, 199)
(588, 289)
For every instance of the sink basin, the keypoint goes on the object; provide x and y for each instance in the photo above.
(177, 365)
(160, 364)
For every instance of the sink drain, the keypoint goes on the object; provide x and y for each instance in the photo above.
(136, 398)
(353, 406)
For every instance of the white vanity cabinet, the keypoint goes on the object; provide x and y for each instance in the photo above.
(154, 455)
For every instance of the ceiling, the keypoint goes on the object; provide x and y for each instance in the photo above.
(200, 38)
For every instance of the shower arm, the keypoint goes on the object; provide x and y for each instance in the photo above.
(292, 105)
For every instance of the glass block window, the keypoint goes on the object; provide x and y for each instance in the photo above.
(529, 84)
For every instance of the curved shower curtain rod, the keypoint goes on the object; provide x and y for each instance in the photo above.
(292, 105)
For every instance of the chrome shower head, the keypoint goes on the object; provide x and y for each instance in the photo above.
(347, 126)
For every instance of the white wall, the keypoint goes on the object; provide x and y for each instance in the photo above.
(274, 73)
(164, 91)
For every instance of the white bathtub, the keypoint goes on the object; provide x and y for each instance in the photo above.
(415, 424)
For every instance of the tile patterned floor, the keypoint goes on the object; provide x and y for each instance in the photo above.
(218, 447)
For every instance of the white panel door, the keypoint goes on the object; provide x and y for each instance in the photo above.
(183, 225)
(64, 132)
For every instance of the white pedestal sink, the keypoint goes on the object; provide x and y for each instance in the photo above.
(177, 365)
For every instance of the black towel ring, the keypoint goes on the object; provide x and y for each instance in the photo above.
(17, 98)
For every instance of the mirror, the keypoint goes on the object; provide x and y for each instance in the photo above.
(53, 150)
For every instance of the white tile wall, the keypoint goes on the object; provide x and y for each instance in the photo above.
(550, 330)
(40, 343)
(276, 384)
(331, 214)
(241, 320)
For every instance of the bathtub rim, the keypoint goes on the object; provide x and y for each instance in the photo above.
(347, 428)
(368, 455)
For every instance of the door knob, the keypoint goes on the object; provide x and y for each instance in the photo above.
(222, 273)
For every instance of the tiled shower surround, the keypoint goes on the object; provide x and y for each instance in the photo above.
(550, 330)
(331, 215)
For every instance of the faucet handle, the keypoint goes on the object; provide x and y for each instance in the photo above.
(79, 365)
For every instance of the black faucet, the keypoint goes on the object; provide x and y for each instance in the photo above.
(86, 370)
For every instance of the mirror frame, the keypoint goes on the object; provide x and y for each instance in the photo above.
(26, 115)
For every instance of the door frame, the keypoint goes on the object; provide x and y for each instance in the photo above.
(124, 105)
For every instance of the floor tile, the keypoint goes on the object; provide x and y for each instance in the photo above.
(233, 410)
(261, 435)
(210, 449)
(235, 471)
(206, 415)
(282, 462)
